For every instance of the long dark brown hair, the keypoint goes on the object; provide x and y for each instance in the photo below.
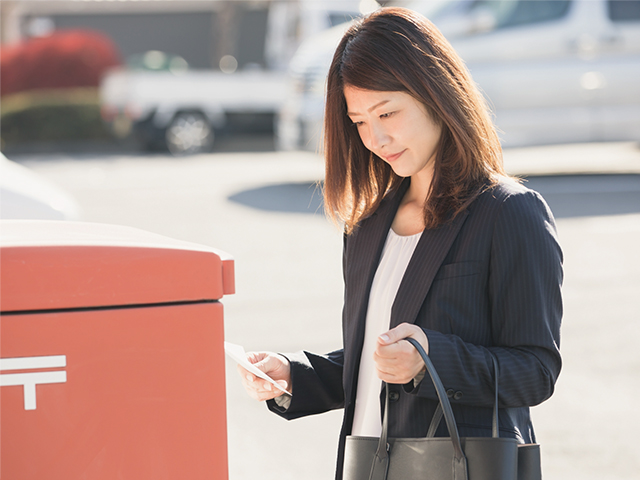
(395, 49)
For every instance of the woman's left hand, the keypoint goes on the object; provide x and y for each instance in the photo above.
(398, 361)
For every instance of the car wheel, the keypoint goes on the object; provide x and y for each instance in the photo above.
(189, 133)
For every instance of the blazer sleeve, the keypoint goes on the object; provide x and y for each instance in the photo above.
(316, 384)
(525, 278)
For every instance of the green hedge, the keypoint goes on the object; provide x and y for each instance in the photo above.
(53, 123)
(52, 115)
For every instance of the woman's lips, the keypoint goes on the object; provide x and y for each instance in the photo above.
(394, 157)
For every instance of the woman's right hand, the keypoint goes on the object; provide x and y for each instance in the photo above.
(274, 365)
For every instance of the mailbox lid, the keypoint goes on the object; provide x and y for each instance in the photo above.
(49, 265)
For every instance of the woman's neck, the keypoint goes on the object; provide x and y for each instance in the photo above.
(409, 218)
(419, 189)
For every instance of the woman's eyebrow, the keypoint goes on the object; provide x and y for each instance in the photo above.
(379, 104)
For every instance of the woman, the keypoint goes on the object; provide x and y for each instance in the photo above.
(440, 245)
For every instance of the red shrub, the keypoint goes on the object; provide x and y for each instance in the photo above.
(67, 58)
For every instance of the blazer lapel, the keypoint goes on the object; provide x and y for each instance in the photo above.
(364, 251)
(429, 254)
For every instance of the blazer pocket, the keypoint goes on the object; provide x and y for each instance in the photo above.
(460, 269)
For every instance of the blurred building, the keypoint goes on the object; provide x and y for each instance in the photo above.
(258, 33)
(195, 67)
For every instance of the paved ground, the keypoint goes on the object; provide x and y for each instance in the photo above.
(261, 208)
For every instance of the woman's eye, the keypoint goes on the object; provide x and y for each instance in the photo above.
(386, 115)
(356, 124)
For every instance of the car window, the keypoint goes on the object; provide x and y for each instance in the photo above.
(624, 10)
(337, 18)
(436, 9)
(511, 13)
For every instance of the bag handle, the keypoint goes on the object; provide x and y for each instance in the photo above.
(437, 416)
(460, 464)
(496, 373)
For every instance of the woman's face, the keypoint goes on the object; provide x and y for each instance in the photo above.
(396, 127)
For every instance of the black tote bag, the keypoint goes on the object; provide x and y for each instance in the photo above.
(441, 458)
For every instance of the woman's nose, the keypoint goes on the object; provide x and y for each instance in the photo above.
(378, 137)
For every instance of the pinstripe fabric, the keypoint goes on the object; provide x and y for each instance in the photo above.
(488, 281)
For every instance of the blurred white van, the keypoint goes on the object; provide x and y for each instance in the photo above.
(554, 71)
(161, 102)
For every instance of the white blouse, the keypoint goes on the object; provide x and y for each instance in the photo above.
(395, 257)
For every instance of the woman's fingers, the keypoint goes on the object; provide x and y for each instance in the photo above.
(402, 331)
(276, 366)
(398, 361)
(256, 387)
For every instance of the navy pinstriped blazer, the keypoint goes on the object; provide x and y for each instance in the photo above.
(487, 282)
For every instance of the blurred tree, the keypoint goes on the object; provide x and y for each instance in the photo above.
(64, 59)
(49, 87)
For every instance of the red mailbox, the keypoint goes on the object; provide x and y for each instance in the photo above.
(112, 358)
